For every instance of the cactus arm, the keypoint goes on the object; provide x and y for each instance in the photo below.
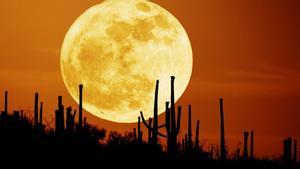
(149, 127)
(162, 135)
(75, 111)
(144, 121)
(161, 126)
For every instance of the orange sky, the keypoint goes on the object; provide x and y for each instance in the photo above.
(246, 51)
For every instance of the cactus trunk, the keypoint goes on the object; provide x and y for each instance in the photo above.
(70, 121)
(190, 128)
(153, 130)
(80, 106)
(172, 127)
(246, 134)
(36, 108)
(59, 116)
(155, 116)
(6, 103)
(287, 149)
(222, 138)
(150, 133)
(140, 139)
(197, 135)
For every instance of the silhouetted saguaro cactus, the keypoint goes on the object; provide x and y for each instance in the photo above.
(246, 134)
(70, 121)
(6, 103)
(287, 149)
(140, 133)
(222, 138)
(189, 143)
(172, 127)
(252, 145)
(150, 136)
(59, 116)
(36, 109)
(5, 111)
(155, 115)
(197, 146)
(80, 106)
(153, 130)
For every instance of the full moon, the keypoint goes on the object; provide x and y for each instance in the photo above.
(117, 50)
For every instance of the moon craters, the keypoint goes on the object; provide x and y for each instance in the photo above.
(143, 7)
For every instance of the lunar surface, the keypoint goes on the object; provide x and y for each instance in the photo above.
(117, 50)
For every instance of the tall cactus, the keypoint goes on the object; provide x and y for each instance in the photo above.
(246, 134)
(6, 103)
(153, 130)
(36, 109)
(150, 135)
(172, 127)
(5, 111)
(287, 149)
(59, 116)
(70, 121)
(189, 143)
(140, 133)
(197, 146)
(222, 138)
(155, 115)
(80, 120)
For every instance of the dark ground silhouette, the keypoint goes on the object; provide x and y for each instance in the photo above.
(22, 139)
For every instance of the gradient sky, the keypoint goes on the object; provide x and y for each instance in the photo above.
(245, 51)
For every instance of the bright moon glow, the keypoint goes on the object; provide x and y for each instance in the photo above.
(117, 50)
